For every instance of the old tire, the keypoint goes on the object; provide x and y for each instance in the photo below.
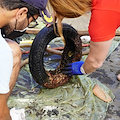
(39, 47)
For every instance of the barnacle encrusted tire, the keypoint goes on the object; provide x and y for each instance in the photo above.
(38, 48)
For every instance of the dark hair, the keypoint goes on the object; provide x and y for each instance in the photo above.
(14, 4)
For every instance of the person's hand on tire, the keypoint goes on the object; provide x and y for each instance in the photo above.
(74, 69)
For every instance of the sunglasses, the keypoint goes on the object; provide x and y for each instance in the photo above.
(34, 23)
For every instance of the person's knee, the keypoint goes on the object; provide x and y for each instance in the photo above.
(16, 52)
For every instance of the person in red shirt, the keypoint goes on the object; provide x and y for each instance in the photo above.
(105, 19)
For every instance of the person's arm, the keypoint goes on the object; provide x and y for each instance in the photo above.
(8, 74)
(4, 111)
(97, 55)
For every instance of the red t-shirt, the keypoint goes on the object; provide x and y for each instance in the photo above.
(105, 19)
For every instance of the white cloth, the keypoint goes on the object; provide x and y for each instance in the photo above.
(85, 39)
(6, 65)
(17, 114)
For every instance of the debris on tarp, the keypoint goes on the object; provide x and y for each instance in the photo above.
(75, 101)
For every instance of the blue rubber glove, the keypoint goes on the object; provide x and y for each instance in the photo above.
(73, 68)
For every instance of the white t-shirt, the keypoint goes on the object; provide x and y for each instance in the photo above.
(6, 65)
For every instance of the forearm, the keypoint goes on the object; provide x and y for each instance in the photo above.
(91, 65)
(4, 110)
(16, 64)
(5, 115)
(97, 55)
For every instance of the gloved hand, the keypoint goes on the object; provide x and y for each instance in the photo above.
(73, 68)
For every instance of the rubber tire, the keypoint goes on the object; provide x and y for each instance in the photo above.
(39, 47)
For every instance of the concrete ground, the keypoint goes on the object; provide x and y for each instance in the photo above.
(80, 23)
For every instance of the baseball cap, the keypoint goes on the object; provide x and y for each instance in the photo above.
(41, 5)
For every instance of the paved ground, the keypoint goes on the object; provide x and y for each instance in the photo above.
(80, 23)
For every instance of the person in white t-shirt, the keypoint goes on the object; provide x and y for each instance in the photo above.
(15, 17)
